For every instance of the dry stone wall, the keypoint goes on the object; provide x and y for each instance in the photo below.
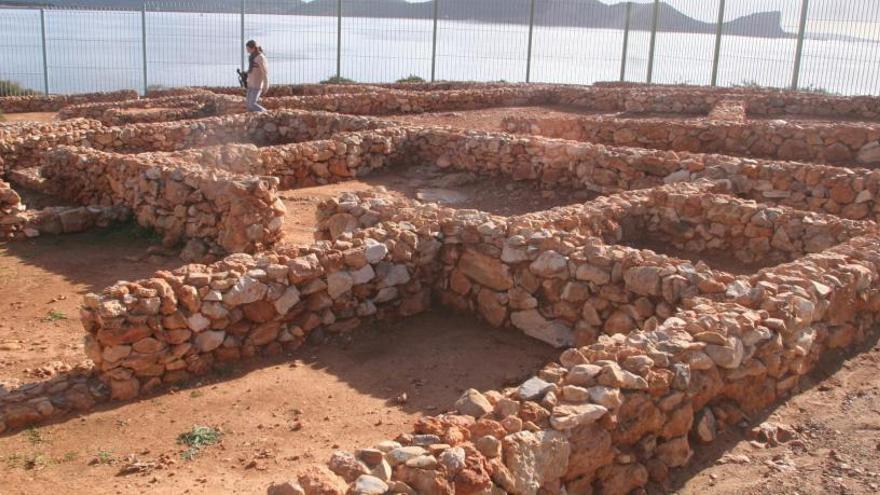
(236, 213)
(11, 207)
(164, 109)
(843, 143)
(53, 103)
(615, 413)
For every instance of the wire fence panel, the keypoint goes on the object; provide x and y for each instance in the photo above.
(21, 69)
(92, 50)
(758, 49)
(573, 45)
(199, 42)
(638, 49)
(472, 48)
(381, 49)
(299, 43)
(190, 44)
(842, 49)
(685, 45)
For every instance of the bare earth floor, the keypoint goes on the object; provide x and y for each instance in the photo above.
(41, 286)
(425, 183)
(28, 117)
(280, 415)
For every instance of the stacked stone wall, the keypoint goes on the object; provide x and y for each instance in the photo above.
(11, 218)
(53, 103)
(237, 213)
(843, 143)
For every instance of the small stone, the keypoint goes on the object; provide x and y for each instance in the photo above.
(473, 403)
(533, 389)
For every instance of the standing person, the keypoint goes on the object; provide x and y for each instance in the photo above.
(258, 76)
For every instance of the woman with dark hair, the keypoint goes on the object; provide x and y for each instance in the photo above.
(257, 76)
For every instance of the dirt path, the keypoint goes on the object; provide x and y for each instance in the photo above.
(28, 117)
(289, 412)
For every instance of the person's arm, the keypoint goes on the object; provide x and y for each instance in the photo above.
(264, 65)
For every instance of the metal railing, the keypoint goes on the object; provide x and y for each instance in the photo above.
(812, 45)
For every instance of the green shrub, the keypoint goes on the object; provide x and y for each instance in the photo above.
(337, 80)
(412, 78)
(196, 438)
(12, 88)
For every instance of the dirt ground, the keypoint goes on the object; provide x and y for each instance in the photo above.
(28, 117)
(490, 119)
(42, 281)
(275, 415)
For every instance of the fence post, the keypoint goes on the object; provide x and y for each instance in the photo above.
(338, 39)
(529, 50)
(144, 42)
(434, 44)
(799, 52)
(718, 29)
(629, 6)
(45, 58)
(653, 41)
(241, 46)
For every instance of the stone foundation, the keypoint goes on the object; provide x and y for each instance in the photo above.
(664, 347)
(53, 103)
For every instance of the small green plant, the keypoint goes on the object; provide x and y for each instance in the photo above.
(337, 80)
(12, 88)
(55, 315)
(195, 394)
(34, 436)
(70, 456)
(751, 84)
(197, 438)
(412, 78)
(104, 457)
(28, 462)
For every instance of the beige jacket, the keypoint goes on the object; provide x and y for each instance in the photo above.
(258, 77)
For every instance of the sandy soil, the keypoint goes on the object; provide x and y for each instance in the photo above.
(41, 284)
(276, 415)
(28, 117)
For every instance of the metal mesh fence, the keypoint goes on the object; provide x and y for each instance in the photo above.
(684, 50)
(572, 46)
(751, 60)
(842, 50)
(199, 42)
(21, 69)
(376, 49)
(300, 44)
(90, 50)
(190, 44)
(470, 49)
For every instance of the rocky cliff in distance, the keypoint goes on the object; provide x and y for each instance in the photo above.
(562, 13)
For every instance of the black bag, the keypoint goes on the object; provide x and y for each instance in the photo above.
(242, 78)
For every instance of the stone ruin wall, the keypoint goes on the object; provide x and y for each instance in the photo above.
(839, 143)
(713, 347)
(53, 103)
(667, 353)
